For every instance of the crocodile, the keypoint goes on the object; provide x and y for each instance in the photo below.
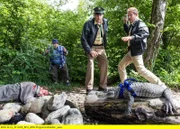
(131, 89)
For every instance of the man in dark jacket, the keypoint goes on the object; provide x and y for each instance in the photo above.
(137, 37)
(94, 41)
(24, 92)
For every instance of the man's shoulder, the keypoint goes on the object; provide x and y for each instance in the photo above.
(141, 23)
(90, 21)
(105, 20)
(28, 83)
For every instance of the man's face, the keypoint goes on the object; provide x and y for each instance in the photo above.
(43, 92)
(132, 16)
(55, 45)
(98, 18)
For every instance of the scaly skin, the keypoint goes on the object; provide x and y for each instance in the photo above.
(146, 90)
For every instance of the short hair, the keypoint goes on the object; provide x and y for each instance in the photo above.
(133, 9)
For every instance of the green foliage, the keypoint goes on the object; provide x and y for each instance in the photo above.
(23, 66)
(168, 66)
(28, 26)
(27, 29)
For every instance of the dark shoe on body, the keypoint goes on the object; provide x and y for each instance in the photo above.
(102, 89)
(88, 91)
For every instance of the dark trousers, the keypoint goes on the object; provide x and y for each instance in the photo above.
(55, 71)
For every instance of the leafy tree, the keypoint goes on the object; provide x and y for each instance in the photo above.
(157, 21)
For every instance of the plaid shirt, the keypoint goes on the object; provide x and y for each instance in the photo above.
(58, 56)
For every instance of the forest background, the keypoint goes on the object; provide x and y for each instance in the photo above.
(28, 26)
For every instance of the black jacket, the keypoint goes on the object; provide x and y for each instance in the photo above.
(140, 33)
(89, 34)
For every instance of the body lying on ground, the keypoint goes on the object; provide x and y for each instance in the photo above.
(23, 92)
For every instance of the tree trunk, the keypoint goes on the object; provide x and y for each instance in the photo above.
(144, 110)
(157, 19)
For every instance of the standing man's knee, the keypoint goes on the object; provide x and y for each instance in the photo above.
(121, 66)
(141, 70)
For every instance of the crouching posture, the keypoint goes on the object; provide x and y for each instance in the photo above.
(24, 92)
(131, 89)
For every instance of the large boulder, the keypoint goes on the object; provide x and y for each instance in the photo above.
(25, 108)
(57, 101)
(24, 122)
(33, 118)
(37, 105)
(73, 116)
(6, 115)
(58, 114)
(55, 121)
(12, 106)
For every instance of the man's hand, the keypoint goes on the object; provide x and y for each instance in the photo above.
(125, 19)
(93, 54)
(127, 38)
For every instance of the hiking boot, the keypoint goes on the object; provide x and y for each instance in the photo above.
(68, 83)
(88, 91)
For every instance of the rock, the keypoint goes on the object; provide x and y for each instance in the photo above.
(57, 114)
(91, 98)
(36, 105)
(24, 122)
(33, 118)
(15, 107)
(46, 98)
(25, 108)
(73, 116)
(71, 104)
(45, 112)
(155, 102)
(6, 115)
(57, 101)
(55, 121)
(176, 96)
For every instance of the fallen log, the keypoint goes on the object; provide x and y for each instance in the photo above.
(144, 110)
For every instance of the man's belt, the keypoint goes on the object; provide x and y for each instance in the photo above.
(97, 44)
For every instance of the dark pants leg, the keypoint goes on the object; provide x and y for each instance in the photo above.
(65, 74)
(54, 72)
